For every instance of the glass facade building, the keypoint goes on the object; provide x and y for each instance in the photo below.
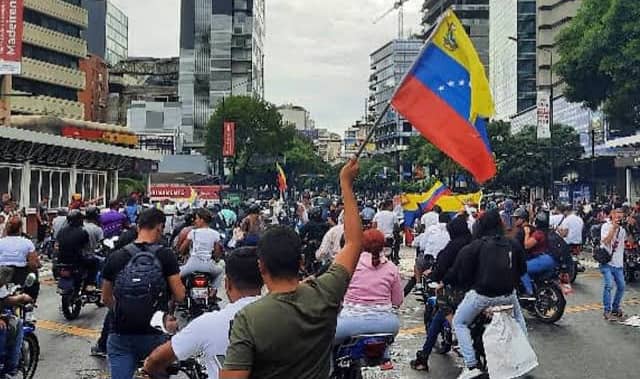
(221, 54)
(389, 65)
(512, 56)
(108, 31)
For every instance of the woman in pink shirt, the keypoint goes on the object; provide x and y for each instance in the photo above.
(375, 290)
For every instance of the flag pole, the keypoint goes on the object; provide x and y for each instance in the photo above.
(388, 105)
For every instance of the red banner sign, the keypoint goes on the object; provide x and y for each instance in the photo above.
(229, 139)
(11, 27)
(179, 192)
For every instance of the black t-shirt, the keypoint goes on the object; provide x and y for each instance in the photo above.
(72, 241)
(117, 261)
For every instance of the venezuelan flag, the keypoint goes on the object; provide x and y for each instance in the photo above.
(446, 96)
(434, 194)
(282, 178)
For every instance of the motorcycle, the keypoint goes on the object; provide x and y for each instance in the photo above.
(631, 262)
(30, 350)
(73, 293)
(548, 303)
(201, 296)
(359, 357)
(575, 267)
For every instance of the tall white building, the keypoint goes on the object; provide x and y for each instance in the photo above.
(295, 115)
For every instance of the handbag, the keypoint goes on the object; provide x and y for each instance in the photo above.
(601, 255)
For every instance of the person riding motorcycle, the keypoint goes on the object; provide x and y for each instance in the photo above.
(92, 226)
(217, 222)
(520, 225)
(368, 213)
(203, 245)
(252, 224)
(312, 234)
(537, 247)
(73, 242)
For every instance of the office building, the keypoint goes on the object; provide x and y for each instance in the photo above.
(474, 15)
(96, 92)
(221, 54)
(512, 56)
(141, 79)
(354, 137)
(328, 145)
(52, 49)
(388, 65)
(296, 116)
(108, 32)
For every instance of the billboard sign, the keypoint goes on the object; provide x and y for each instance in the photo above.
(11, 27)
(182, 192)
(229, 139)
(544, 119)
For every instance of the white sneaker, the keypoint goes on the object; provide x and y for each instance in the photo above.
(469, 374)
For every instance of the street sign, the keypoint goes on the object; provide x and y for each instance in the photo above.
(11, 27)
(544, 115)
(229, 139)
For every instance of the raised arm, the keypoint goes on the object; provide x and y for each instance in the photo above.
(350, 253)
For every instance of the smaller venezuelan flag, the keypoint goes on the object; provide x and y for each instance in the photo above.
(435, 193)
(447, 98)
(282, 178)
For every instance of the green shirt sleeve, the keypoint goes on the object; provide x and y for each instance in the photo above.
(241, 350)
(333, 284)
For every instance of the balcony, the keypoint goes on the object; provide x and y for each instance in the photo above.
(60, 10)
(52, 40)
(45, 105)
(51, 73)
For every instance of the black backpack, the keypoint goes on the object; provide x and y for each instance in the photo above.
(140, 288)
(559, 249)
(495, 272)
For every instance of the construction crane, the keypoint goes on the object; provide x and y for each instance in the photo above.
(399, 5)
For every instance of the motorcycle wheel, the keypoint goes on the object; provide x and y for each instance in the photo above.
(573, 271)
(550, 303)
(71, 306)
(30, 356)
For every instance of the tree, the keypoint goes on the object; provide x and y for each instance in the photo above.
(261, 136)
(421, 152)
(302, 160)
(600, 59)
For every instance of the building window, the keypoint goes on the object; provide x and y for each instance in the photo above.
(44, 89)
(51, 23)
(50, 56)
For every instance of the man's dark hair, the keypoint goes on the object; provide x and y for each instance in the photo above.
(203, 214)
(280, 250)
(114, 204)
(151, 218)
(241, 266)
(490, 224)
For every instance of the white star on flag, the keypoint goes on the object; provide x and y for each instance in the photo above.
(461, 82)
(441, 88)
(451, 83)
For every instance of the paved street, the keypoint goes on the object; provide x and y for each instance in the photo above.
(581, 345)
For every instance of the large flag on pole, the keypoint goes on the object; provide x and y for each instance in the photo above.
(446, 96)
(282, 178)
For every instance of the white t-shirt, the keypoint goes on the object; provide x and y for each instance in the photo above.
(429, 218)
(203, 241)
(385, 221)
(330, 245)
(436, 238)
(574, 225)
(617, 258)
(209, 335)
(14, 251)
(555, 220)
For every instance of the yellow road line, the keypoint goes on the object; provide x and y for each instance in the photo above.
(53, 326)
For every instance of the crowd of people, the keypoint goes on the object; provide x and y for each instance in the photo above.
(300, 284)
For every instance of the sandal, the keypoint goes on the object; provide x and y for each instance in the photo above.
(421, 363)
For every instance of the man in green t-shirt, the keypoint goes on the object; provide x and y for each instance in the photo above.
(289, 333)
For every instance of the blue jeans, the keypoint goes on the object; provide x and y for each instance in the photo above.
(469, 309)
(10, 349)
(435, 327)
(609, 275)
(126, 350)
(537, 265)
(369, 323)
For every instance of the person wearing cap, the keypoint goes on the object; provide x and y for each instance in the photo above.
(11, 332)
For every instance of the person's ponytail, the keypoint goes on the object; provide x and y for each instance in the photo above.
(373, 242)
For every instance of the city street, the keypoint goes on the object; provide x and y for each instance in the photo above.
(580, 345)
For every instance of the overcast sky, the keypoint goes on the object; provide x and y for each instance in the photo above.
(316, 51)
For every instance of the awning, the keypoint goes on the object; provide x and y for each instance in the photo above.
(631, 141)
(19, 145)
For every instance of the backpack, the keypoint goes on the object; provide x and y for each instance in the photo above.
(559, 249)
(132, 213)
(495, 274)
(140, 288)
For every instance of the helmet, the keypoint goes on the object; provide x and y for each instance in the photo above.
(63, 211)
(520, 213)
(92, 213)
(542, 220)
(253, 209)
(315, 214)
(369, 203)
(75, 218)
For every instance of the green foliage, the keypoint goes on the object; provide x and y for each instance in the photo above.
(600, 59)
(423, 153)
(129, 185)
(261, 136)
(372, 173)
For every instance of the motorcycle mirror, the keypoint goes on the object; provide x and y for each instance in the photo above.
(164, 322)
